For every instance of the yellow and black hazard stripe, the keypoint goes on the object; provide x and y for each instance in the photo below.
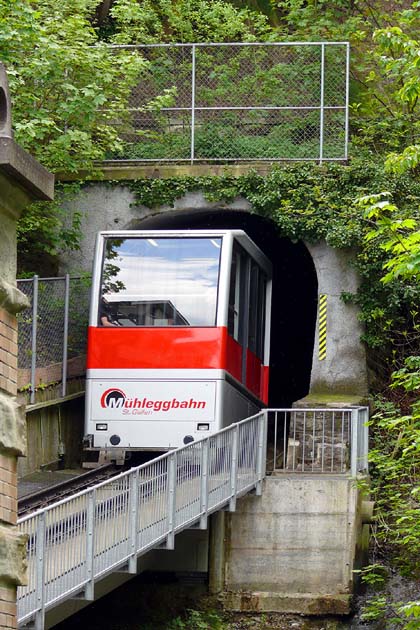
(322, 327)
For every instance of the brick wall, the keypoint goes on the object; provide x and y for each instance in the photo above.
(12, 568)
(8, 352)
(8, 489)
(8, 608)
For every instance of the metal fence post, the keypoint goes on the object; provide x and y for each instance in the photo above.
(365, 430)
(134, 487)
(65, 333)
(321, 109)
(234, 468)
(34, 334)
(346, 108)
(262, 451)
(40, 563)
(90, 546)
(193, 105)
(354, 441)
(204, 484)
(170, 538)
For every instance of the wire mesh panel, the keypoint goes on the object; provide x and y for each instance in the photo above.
(79, 298)
(312, 440)
(246, 101)
(25, 325)
(52, 334)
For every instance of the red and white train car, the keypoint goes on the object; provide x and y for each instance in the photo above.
(178, 342)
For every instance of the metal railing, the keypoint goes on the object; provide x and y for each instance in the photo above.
(52, 333)
(238, 101)
(77, 541)
(318, 440)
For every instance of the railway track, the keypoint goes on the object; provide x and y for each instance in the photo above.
(40, 499)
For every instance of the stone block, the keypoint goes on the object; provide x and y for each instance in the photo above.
(12, 557)
(12, 426)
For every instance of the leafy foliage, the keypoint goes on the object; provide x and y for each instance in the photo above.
(154, 21)
(60, 77)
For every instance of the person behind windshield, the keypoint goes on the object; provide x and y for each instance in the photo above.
(106, 314)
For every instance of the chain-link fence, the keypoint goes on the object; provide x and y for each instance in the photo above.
(52, 334)
(242, 101)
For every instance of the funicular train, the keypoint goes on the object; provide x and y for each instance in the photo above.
(178, 340)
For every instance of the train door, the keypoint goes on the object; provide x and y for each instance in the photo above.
(248, 327)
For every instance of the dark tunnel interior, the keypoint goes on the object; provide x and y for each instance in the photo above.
(295, 286)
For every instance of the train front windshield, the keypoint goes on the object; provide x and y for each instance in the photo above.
(160, 281)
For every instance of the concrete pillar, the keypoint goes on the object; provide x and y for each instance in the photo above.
(22, 180)
(340, 373)
(294, 549)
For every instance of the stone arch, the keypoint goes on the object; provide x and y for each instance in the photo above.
(297, 369)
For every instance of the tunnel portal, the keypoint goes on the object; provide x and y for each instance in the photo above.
(295, 290)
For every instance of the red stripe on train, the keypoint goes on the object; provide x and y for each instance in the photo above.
(174, 348)
(157, 348)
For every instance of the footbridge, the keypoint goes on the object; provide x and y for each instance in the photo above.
(75, 543)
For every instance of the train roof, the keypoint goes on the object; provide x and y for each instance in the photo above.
(239, 235)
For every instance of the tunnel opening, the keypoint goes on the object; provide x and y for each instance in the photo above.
(295, 290)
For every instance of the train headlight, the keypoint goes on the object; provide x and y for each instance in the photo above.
(115, 439)
(203, 426)
(102, 426)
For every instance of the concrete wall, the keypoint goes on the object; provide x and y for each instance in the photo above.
(291, 550)
(342, 375)
(105, 207)
(54, 433)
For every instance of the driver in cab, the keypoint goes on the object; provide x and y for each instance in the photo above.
(107, 315)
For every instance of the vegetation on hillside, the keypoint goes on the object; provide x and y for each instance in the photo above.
(61, 76)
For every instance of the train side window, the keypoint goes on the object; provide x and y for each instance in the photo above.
(256, 328)
(253, 308)
(236, 311)
(262, 292)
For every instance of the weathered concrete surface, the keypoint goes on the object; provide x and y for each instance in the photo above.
(24, 170)
(113, 208)
(293, 549)
(343, 372)
(121, 170)
(55, 435)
